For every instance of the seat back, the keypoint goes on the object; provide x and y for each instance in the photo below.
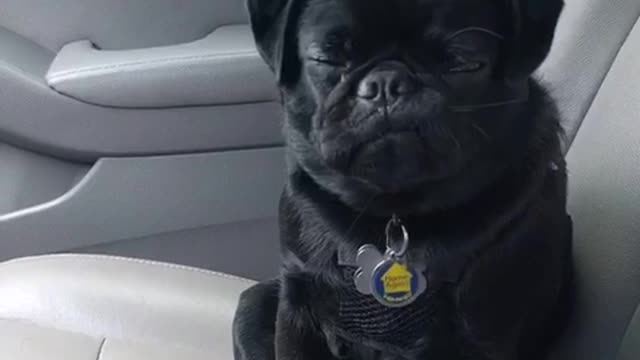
(630, 349)
(594, 70)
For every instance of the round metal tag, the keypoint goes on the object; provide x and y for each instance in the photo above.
(395, 284)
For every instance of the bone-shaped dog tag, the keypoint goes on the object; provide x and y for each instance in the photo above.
(368, 259)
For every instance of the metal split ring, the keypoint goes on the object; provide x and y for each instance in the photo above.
(395, 222)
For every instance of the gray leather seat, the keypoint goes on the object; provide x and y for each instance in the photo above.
(595, 71)
(68, 307)
(78, 308)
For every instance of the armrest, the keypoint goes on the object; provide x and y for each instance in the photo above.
(223, 68)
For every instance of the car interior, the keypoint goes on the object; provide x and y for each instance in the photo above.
(141, 164)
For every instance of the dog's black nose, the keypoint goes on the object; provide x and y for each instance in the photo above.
(386, 84)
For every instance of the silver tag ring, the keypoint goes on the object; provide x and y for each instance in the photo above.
(405, 238)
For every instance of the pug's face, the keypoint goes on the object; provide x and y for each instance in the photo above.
(415, 103)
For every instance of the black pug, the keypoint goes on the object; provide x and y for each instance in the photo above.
(425, 212)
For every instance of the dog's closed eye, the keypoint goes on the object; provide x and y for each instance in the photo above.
(458, 63)
(334, 51)
(325, 60)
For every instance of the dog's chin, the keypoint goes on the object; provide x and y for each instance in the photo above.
(395, 162)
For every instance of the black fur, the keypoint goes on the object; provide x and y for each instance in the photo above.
(391, 110)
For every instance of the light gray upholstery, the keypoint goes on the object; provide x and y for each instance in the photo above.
(604, 164)
(36, 117)
(222, 68)
(118, 24)
(22, 340)
(71, 307)
(72, 129)
(129, 198)
(630, 348)
(589, 36)
(29, 179)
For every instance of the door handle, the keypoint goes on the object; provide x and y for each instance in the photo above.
(222, 68)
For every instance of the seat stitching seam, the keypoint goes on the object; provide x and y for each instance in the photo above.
(138, 261)
(167, 265)
(584, 114)
(172, 266)
(101, 348)
(627, 329)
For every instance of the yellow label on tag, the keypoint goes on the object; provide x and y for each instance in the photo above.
(397, 280)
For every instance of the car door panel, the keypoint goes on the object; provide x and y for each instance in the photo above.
(146, 128)
(37, 116)
(135, 198)
(28, 179)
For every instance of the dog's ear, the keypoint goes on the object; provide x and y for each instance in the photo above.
(530, 33)
(273, 24)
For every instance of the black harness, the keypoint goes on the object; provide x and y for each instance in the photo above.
(363, 320)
